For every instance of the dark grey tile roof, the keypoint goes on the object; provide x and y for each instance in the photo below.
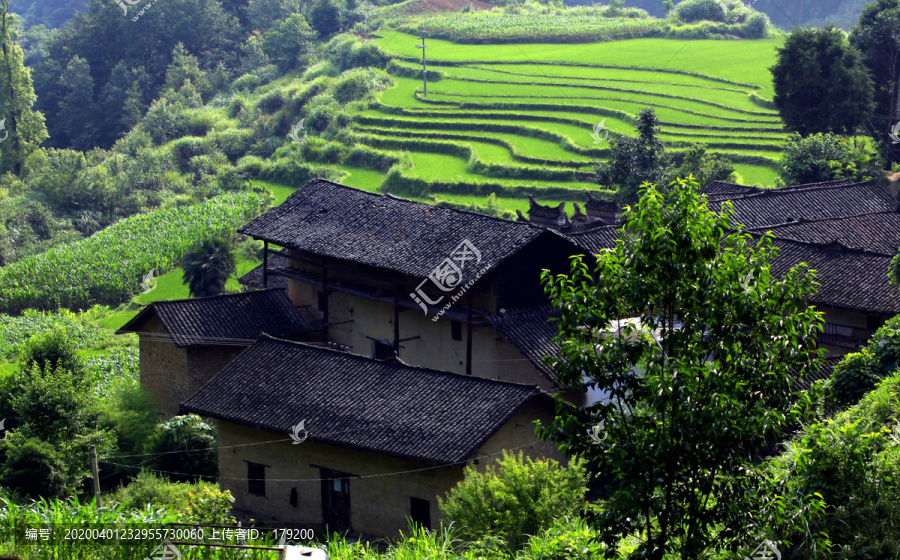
(875, 232)
(225, 319)
(597, 239)
(532, 332)
(549, 212)
(384, 231)
(849, 278)
(824, 371)
(812, 202)
(254, 278)
(594, 203)
(388, 407)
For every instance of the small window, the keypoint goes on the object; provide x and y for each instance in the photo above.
(456, 330)
(420, 512)
(323, 301)
(874, 322)
(293, 500)
(256, 475)
(382, 349)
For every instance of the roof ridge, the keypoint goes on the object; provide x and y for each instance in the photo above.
(803, 220)
(825, 246)
(208, 298)
(265, 337)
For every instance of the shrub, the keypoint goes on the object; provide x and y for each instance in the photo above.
(53, 349)
(34, 469)
(860, 372)
(514, 499)
(209, 505)
(195, 441)
(158, 491)
(567, 539)
(697, 10)
(757, 26)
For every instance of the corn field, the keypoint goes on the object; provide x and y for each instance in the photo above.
(108, 267)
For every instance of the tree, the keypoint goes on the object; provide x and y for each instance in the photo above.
(77, 105)
(696, 386)
(825, 157)
(263, 15)
(207, 267)
(705, 168)
(877, 36)
(821, 83)
(519, 497)
(635, 161)
(22, 129)
(195, 441)
(325, 16)
(290, 43)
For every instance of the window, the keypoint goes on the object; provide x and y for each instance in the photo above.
(420, 512)
(256, 483)
(382, 349)
(293, 500)
(323, 301)
(456, 330)
(874, 322)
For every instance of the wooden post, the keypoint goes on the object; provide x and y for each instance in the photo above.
(469, 336)
(95, 474)
(265, 264)
(396, 319)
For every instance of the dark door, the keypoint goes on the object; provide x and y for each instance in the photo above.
(336, 499)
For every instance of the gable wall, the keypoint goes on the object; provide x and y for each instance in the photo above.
(163, 368)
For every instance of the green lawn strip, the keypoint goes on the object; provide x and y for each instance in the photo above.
(511, 204)
(551, 91)
(509, 144)
(739, 62)
(366, 179)
(755, 175)
(731, 100)
(625, 75)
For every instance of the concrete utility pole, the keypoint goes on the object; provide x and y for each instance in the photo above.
(95, 474)
(424, 70)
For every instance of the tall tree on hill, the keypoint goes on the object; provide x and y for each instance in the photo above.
(821, 83)
(21, 128)
(206, 268)
(635, 161)
(877, 36)
(695, 388)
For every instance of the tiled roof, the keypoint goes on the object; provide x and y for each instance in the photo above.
(597, 239)
(721, 189)
(875, 232)
(225, 319)
(549, 212)
(594, 203)
(811, 202)
(388, 407)
(254, 278)
(384, 231)
(532, 332)
(849, 278)
(823, 373)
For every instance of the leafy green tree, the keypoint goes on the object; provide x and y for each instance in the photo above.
(22, 128)
(635, 161)
(207, 267)
(877, 36)
(695, 387)
(516, 498)
(185, 68)
(263, 15)
(326, 17)
(821, 83)
(77, 105)
(290, 44)
(195, 443)
(825, 157)
(705, 167)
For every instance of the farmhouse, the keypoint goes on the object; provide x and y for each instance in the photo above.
(386, 276)
(184, 343)
(381, 439)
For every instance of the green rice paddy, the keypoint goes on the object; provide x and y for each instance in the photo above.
(519, 107)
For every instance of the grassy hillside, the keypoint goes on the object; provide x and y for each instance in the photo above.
(536, 104)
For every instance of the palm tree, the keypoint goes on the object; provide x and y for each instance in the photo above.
(207, 267)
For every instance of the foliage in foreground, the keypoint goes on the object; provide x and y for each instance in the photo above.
(859, 372)
(108, 267)
(696, 386)
(826, 157)
(516, 498)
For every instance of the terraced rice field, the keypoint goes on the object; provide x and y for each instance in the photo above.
(523, 115)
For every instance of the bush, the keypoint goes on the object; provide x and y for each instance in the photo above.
(209, 505)
(860, 372)
(568, 539)
(697, 10)
(52, 349)
(195, 442)
(158, 491)
(34, 469)
(516, 498)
